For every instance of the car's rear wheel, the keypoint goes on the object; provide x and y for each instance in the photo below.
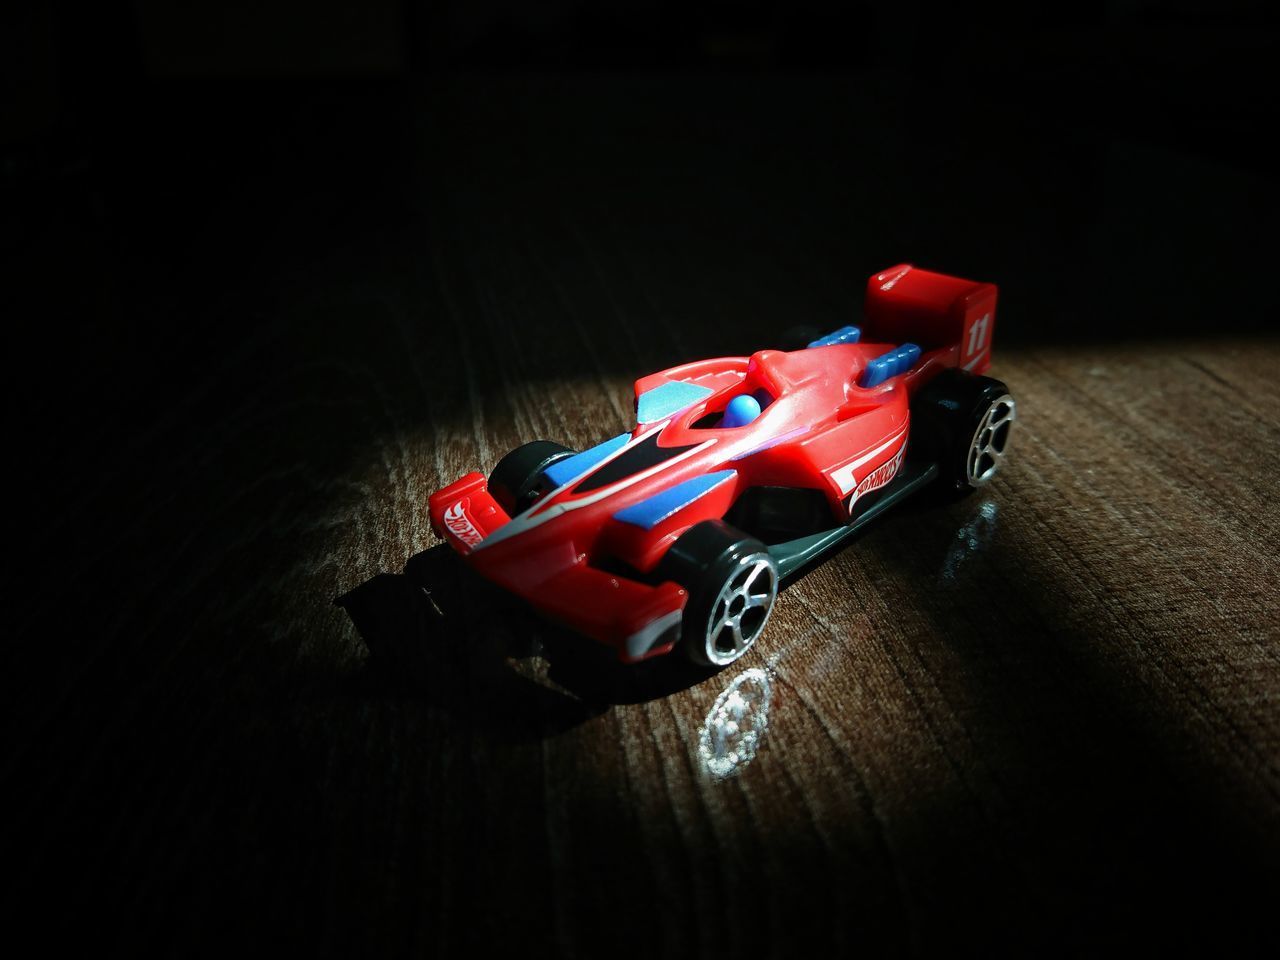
(964, 422)
(990, 439)
(732, 583)
(518, 480)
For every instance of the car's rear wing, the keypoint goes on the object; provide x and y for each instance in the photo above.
(905, 304)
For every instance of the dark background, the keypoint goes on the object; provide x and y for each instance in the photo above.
(205, 203)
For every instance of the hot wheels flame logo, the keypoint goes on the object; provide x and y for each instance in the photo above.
(878, 477)
(460, 525)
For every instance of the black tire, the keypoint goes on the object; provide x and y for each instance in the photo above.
(963, 423)
(517, 480)
(732, 583)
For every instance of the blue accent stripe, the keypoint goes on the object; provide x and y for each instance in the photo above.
(647, 514)
(661, 402)
(888, 365)
(843, 335)
(562, 471)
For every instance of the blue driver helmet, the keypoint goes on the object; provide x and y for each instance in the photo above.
(741, 411)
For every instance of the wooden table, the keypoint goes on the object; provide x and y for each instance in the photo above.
(1044, 718)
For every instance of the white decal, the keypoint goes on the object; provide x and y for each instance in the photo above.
(460, 525)
(978, 335)
(642, 641)
(878, 477)
(843, 476)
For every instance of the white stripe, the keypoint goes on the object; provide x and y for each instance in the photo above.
(642, 641)
(976, 360)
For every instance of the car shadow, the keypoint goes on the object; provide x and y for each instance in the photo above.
(440, 633)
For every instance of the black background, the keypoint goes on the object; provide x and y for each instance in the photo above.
(176, 180)
(1105, 157)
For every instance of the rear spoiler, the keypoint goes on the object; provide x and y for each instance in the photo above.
(905, 304)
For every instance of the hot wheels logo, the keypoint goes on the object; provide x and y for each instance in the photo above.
(878, 477)
(460, 525)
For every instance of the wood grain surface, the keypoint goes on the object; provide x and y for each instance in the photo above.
(1043, 719)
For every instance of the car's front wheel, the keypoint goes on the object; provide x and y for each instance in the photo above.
(732, 583)
(517, 480)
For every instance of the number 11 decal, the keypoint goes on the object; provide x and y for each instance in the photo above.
(979, 334)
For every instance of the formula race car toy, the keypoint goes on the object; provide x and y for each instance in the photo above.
(739, 473)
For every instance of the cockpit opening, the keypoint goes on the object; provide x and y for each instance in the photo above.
(740, 409)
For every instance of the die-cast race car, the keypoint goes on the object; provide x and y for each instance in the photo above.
(741, 472)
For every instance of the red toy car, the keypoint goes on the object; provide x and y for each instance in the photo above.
(740, 472)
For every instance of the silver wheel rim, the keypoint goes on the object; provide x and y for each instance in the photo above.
(990, 441)
(742, 608)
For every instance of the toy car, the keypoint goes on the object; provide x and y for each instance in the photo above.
(739, 473)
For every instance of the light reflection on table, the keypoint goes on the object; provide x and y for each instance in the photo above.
(734, 728)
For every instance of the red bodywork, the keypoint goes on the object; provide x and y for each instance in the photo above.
(818, 430)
